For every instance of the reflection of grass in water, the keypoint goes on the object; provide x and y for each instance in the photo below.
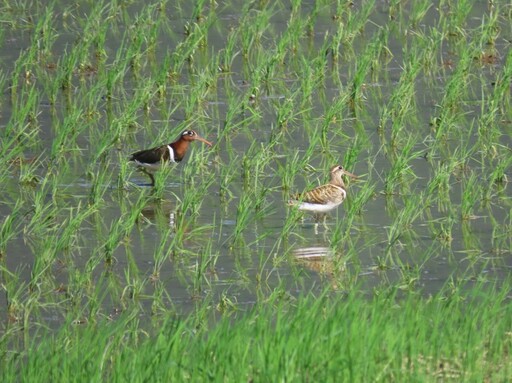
(280, 90)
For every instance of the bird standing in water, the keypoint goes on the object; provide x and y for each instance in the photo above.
(324, 198)
(150, 160)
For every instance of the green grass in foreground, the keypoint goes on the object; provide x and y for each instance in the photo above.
(449, 337)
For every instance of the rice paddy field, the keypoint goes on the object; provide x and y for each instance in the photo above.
(210, 275)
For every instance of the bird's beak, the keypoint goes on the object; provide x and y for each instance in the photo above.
(199, 138)
(349, 174)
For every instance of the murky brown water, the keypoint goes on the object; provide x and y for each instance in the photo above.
(261, 261)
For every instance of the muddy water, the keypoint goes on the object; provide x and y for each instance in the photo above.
(261, 262)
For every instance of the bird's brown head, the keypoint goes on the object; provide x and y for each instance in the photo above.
(336, 172)
(191, 135)
(339, 171)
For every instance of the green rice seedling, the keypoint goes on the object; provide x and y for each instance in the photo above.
(402, 102)
(501, 239)
(195, 40)
(81, 288)
(67, 65)
(29, 169)
(401, 171)
(312, 18)
(254, 162)
(160, 182)
(197, 102)
(333, 115)
(156, 13)
(115, 76)
(288, 172)
(450, 107)
(134, 52)
(431, 44)
(16, 76)
(499, 172)
(125, 170)
(289, 44)
(501, 93)
(133, 286)
(164, 251)
(162, 303)
(472, 244)
(99, 44)
(440, 183)
(243, 216)
(313, 75)
(227, 306)
(364, 65)
(236, 119)
(46, 34)
(66, 133)
(23, 123)
(204, 267)
(188, 209)
(285, 112)
(492, 110)
(458, 12)
(352, 153)
(471, 193)
(12, 152)
(194, 194)
(100, 18)
(228, 55)
(198, 10)
(100, 180)
(403, 222)
(299, 161)
(15, 292)
(162, 78)
(228, 174)
(41, 278)
(120, 228)
(68, 233)
(488, 134)
(410, 276)
(354, 20)
(43, 211)
(9, 228)
(360, 199)
(252, 27)
(4, 77)
(418, 11)
(489, 29)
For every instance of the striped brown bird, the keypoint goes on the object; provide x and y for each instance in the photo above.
(150, 160)
(324, 198)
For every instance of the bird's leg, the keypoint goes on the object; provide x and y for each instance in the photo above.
(150, 176)
(324, 221)
(320, 217)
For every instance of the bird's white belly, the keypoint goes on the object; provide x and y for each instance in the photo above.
(150, 167)
(318, 208)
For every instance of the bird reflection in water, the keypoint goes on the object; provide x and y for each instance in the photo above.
(160, 213)
(319, 259)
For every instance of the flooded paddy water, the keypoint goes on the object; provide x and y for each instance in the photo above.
(412, 97)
